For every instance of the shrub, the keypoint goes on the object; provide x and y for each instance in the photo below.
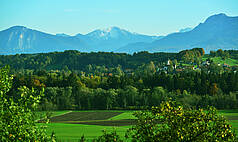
(16, 119)
(171, 122)
(109, 137)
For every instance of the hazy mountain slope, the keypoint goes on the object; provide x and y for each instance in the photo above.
(20, 39)
(218, 31)
(63, 35)
(185, 30)
(111, 39)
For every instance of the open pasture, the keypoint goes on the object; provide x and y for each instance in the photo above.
(91, 123)
(232, 117)
(70, 126)
(73, 132)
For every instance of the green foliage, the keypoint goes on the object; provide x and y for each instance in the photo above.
(108, 137)
(171, 122)
(82, 139)
(220, 53)
(215, 68)
(87, 62)
(122, 81)
(17, 121)
(79, 92)
(193, 55)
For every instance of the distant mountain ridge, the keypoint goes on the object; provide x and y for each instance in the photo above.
(19, 39)
(113, 38)
(185, 30)
(218, 31)
(62, 34)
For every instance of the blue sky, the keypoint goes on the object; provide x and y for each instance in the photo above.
(152, 17)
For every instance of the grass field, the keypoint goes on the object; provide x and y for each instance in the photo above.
(229, 61)
(125, 115)
(232, 116)
(40, 114)
(70, 126)
(73, 132)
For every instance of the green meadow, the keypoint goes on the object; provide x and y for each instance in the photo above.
(68, 132)
(72, 132)
(229, 61)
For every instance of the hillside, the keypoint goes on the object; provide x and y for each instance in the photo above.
(217, 32)
(19, 39)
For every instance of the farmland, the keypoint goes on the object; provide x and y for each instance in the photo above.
(84, 116)
(232, 116)
(70, 126)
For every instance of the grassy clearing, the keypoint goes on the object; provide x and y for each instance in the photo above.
(228, 112)
(232, 116)
(53, 113)
(41, 114)
(234, 124)
(56, 113)
(73, 132)
(125, 115)
(229, 61)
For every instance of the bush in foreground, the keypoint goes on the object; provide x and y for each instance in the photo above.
(170, 122)
(16, 114)
(108, 137)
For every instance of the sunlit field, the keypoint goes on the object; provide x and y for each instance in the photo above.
(92, 123)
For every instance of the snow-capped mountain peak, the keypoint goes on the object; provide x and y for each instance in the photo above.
(105, 39)
(108, 33)
(63, 35)
(110, 29)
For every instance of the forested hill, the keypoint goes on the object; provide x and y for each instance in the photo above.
(75, 60)
(78, 61)
(75, 80)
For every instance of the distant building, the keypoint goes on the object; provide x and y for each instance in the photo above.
(226, 65)
(168, 62)
(205, 63)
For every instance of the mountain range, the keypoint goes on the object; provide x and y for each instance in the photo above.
(218, 31)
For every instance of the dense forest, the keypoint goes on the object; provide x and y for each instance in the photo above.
(66, 90)
(74, 80)
(75, 60)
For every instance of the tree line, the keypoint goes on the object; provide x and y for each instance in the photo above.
(75, 80)
(146, 87)
(168, 121)
(75, 60)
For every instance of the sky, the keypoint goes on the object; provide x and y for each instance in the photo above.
(151, 17)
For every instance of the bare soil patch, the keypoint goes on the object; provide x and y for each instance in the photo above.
(125, 122)
(84, 116)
